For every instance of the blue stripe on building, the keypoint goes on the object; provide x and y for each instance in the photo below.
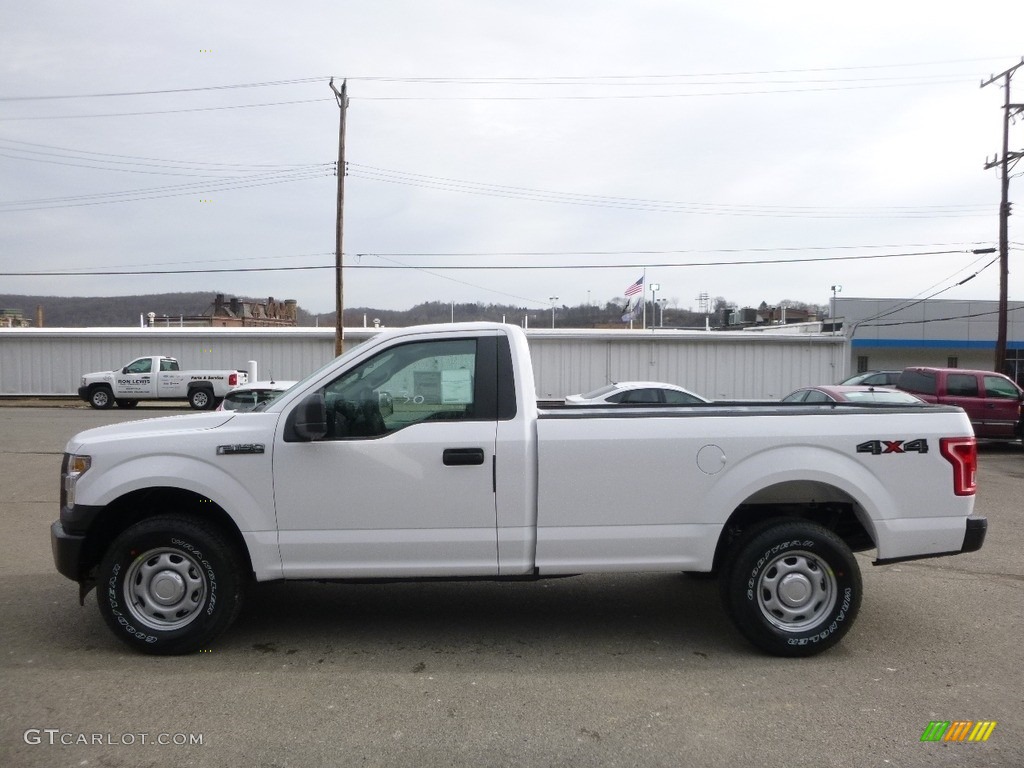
(933, 344)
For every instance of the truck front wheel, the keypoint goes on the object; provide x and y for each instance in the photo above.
(200, 399)
(792, 589)
(101, 398)
(170, 585)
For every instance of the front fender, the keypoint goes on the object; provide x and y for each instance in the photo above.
(244, 499)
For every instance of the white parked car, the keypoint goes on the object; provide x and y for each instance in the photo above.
(248, 396)
(637, 393)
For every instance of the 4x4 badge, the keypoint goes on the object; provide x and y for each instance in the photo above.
(876, 447)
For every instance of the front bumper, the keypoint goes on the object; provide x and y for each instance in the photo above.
(67, 551)
(83, 393)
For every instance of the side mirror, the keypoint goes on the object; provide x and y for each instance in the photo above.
(307, 420)
(125, 369)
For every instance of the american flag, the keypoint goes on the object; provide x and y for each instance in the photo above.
(635, 288)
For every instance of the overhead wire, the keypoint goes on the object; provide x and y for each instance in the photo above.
(373, 173)
(479, 267)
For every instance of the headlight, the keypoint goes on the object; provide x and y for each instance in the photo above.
(74, 467)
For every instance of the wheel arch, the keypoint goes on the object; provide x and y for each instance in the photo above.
(154, 501)
(837, 493)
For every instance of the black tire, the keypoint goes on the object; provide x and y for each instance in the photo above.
(126, 403)
(792, 588)
(101, 397)
(170, 585)
(201, 399)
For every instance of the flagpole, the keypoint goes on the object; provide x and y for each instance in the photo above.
(643, 294)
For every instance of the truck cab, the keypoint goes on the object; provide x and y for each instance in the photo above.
(992, 401)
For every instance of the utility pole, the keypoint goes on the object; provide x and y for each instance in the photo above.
(339, 294)
(1006, 162)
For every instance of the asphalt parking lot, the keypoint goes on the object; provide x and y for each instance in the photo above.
(609, 670)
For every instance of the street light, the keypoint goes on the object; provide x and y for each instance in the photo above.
(552, 299)
(663, 302)
(835, 289)
(655, 287)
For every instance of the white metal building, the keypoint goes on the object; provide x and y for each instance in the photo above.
(718, 365)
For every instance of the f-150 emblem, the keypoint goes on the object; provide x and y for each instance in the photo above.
(876, 447)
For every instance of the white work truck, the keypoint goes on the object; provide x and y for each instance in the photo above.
(157, 377)
(422, 454)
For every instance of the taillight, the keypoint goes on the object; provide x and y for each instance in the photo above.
(232, 379)
(962, 453)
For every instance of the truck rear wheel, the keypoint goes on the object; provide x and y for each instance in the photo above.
(200, 399)
(170, 585)
(792, 589)
(101, 397)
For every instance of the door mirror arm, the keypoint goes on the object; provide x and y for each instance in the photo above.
(307, 421)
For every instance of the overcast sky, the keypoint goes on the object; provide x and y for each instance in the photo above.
(596, 137)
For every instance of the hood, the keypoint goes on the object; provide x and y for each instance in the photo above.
(165, 425)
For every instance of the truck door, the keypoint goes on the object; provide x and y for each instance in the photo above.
(402, 483)
(962, 391)
(135, 379)
(1002, 406)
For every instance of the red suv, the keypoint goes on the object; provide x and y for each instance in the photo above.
(993, 402)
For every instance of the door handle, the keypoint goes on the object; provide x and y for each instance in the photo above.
(463, 457)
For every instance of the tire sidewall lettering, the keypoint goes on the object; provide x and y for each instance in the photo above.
(115, 589)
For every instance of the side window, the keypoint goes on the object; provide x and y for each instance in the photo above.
(962, 385)
(679, 398)
(641, 397)
(796, 397)
(996, 386)
(814, 396)
(168, 365)
(140, 366)
(404, 385)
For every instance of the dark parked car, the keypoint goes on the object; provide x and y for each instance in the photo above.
(993, 402)
(852, 394)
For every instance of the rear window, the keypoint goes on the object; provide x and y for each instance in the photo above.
(602, 391)
(887, 398)
(917, 381)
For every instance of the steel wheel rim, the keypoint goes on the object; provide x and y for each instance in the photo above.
(100, 397)
(165, 588)
(201, 399)
(796, 591)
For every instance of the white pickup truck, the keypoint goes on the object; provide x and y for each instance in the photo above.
(422, 454)
(157, 378)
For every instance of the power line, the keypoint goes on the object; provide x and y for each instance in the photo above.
(938, 319)
(372, 173)
(135, 159)
(165, 91)
(106, 198)
(164, 111)
(486, 267)
(555, 79)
